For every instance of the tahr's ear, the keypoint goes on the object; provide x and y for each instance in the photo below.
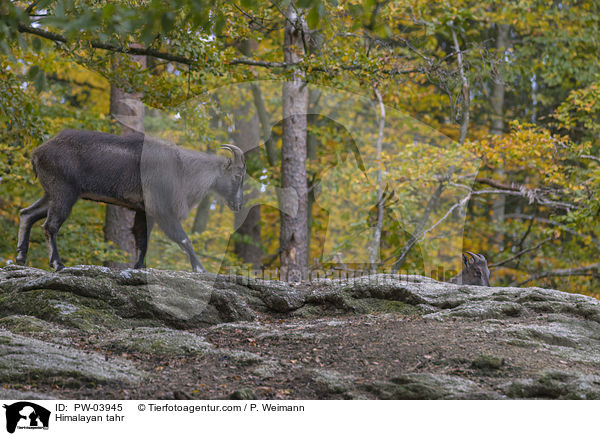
(227, 164)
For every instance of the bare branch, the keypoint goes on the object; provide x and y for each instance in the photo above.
(146, 51)
(527, 232)
(31, 7)
(496, 184)
(532, 195)
(320, 69)
(520, 253)
(460, 204)
(587, 156)
(420, 233)
(552, 223)
(140, 51)
(591, 270)
(266, 64)
(253, 20)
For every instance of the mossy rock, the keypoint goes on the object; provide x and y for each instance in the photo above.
(28, 360)
(13, 394)
(487, 362)
(243, 394)
(157, 340)
(422, 386)
(64, 308)
(375, 305)
(556, 385)
(331, 382)
(31, 324)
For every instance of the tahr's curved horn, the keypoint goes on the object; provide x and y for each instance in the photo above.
(239, 160)
(473, 256)
(476, 255)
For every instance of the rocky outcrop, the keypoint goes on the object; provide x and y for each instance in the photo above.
(96, 332)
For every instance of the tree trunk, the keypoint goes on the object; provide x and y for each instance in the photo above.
(466, 98)
(259, 103)
(248, 247)
(376, 242)
(313, 119)
(497, 97)
(293, 236)
(201, 218)
(497, 128)
(312, 143)
(128, 110)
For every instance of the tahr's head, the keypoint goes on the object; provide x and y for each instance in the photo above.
(230, 185)
(476, 270)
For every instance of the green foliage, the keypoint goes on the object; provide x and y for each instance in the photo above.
(548, 69)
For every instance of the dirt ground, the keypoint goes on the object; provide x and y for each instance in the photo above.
(363, 348)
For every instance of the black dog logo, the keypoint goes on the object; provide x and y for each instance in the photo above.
(30, 413)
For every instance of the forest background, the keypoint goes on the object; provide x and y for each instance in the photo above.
(479, 128)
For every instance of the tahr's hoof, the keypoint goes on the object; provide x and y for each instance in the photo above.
(58, 267)
(21, 258)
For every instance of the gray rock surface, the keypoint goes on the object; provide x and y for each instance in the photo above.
(166, 315)
(23, 358)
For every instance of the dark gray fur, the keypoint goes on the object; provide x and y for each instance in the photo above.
(475, 271)
(162, 183)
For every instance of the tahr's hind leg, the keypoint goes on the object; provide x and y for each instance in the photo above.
(142, 227)
(58, 212)
(28, 217)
